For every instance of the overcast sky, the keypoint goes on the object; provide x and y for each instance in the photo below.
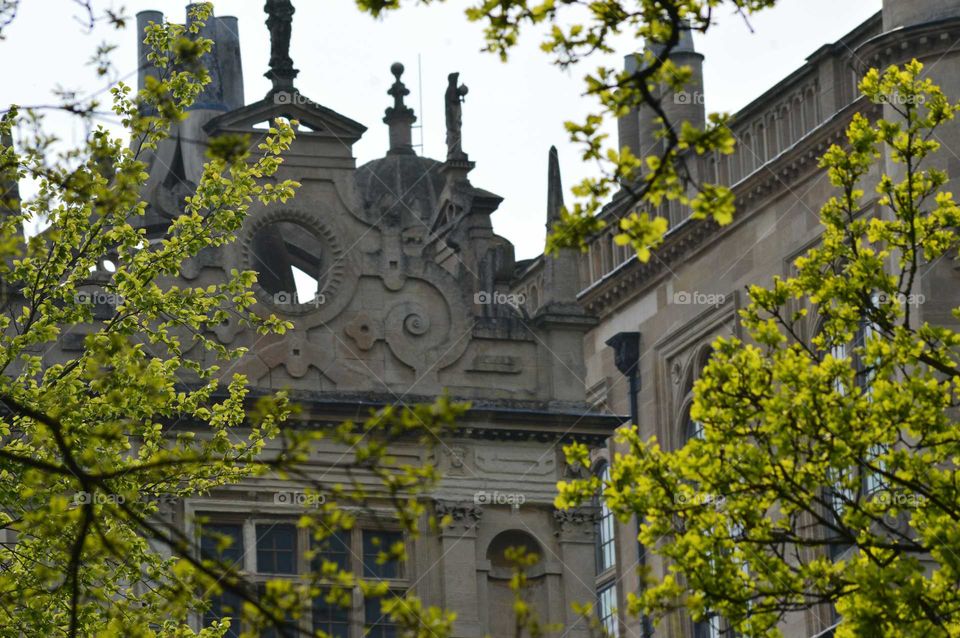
(512, 115)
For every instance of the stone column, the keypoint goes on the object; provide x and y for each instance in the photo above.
(458, 566)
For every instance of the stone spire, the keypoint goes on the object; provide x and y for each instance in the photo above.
(560, 272)
(399, 117)
(280, 23)
(554, 189)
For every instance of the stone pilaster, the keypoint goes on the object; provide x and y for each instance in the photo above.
(458, 565)
(576, 533)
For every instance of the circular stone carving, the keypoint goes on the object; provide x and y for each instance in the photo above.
(298, 259)
(416, 323)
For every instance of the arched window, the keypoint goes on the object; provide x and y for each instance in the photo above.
(747, 155)
(606, 559)
(811, 116)
(786, 139)
(596, 263)
(773, 145)
(761, 146)
(798, 130)
(851, 483)
(606, 547)
(692, 429)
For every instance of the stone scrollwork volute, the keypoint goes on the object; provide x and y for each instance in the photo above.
(463, 516)
(577, 524)
(415, 336)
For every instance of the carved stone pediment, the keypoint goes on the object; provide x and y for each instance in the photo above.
(321, 121)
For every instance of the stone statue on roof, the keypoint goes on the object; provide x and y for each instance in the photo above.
(280, 23)
(453, 99)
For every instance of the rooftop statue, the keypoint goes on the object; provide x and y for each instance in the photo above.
(280, 23)
(453, 98)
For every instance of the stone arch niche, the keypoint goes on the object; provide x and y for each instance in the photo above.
(500, 613)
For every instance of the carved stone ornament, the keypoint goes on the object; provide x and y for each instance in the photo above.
(676, 373)
(577, 524)
(364, 331)
(462, 515)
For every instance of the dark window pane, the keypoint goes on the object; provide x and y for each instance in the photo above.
(277, 549)
(211, 537)
(287, 629)
(707, 628)
(226, 605)
(335, 549)
(375, 622)
(375, 542)
(330, 618)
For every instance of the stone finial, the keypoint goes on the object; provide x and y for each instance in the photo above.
(280, 23)
(554, 189)
(399, 117)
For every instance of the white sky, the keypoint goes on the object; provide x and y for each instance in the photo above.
(512, 115)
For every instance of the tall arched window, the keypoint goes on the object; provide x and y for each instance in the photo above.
(786, 138)
(760, 149)
(606, 559)
(692, 429)
(606, 548)
(852, 483)
(747, 155)
(711, 625)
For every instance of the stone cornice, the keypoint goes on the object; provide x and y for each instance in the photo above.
(505, 420)
(931, 39)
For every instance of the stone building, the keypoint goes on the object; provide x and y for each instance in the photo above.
(399, 290)
(690, 290)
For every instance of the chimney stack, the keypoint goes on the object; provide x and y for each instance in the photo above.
(686, 105)
(146, 69)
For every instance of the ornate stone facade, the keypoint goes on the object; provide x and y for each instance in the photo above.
(398, 290)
